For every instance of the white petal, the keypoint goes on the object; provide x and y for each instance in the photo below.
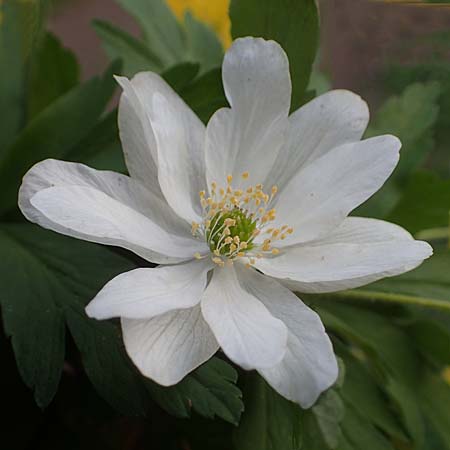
(321, 195)
(138, 141)
(147, 292)
(105, 207)
(168, 347)
(248, 136)
(328, 121)
(309, 366)
(360, 251)
(248, 334)
(179, 136)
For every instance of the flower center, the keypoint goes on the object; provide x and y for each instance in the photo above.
(233, 218)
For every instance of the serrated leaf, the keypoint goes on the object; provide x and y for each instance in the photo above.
(54, 72)
(390, 349)
(210, 391)
(292, 23)
(269, 422)
(161, 31)
(411, 117)
(46, 280)
(53, 133)
(135, 54)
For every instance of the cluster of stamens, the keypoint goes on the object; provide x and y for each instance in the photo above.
(233, 218)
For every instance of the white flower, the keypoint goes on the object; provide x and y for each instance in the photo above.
(235, 213)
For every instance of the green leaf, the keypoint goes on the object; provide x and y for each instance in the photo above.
(329, 413)
(53, 133)
(47, 279)
(424, 189)
(292, 23)
(210, 391)
(361, 434)
(389, 348)
(101, 148)
(162, 32)
(435, 397)
(203, 45)
(205, 95)
(361, 391)
(269, 422)
(54, 72)
(433, 341)
(135, 54)
(411, 117)
(181, 75)
(19, 27)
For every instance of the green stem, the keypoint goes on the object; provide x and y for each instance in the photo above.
(394, 298)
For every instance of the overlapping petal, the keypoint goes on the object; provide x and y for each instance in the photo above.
(322, 194)
(147, 292)
(359, 252)
(167, 347)
(137, 138)
(309, 366)
(246, 331)
(105, 207)
(179, 137)
(248, 136)
(328, 121)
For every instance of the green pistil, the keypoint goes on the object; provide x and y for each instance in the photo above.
(244, 228)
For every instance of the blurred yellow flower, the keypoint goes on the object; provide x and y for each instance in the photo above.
(446, 374)
(212, 12)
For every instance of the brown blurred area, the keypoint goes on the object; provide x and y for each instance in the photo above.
(359, 37)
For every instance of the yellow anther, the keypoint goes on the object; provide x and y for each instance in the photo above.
(228, 240)
(290, 231)
(243, 245)
(283, 227)
(222, 191)
(241, 254)
(245, 175)
(236, 239)
(252, 261)
(233, 248)
(238, 193)
(259, 187)
(214, 185)
(218, 261)
(229, 190)
(275, 251)
(229, 179)
(249, 190)
(274, 190)
(202, 194)
(229, 222)
(195, 227)
(226, 231)
(197, 255)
